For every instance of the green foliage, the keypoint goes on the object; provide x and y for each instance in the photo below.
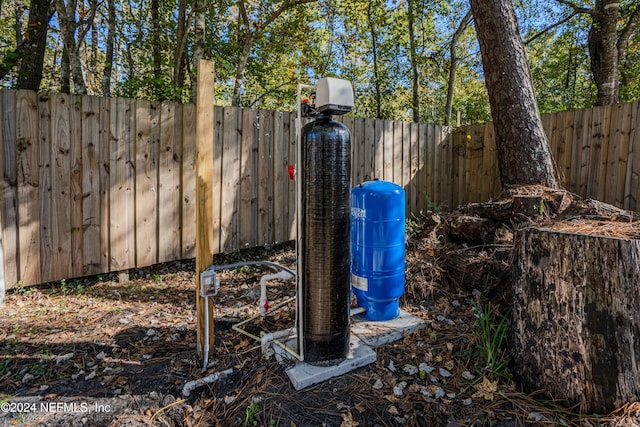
(4, 366)
(491, 340)
(324, 38)
(250, 413)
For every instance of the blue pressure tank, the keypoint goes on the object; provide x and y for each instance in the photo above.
(378, 248)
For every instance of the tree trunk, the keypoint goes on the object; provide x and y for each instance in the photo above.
(523, 152)
(374, 53)
(415, 77)
(622, 46)
(66, 16)
(453, 64)
(180, 62)
(156, 51)
(108, 60)
(603, 52)
(575, 317)
(199, 7)
(30, 74)
(65, 71)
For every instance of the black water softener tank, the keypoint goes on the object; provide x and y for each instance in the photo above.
(324, 255)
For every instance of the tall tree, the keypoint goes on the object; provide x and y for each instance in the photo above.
(523, 152)
(413, 57)
(371, 19)
(68, 26)
(30, 74)
(253, 26)
(453, 63)
(613, 23)
(109, 49)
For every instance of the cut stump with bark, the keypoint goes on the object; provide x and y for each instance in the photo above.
(576, 315)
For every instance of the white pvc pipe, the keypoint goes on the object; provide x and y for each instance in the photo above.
(191, 385)
(264, 302)
(268, 338)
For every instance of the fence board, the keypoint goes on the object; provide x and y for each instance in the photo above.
(169, 183)
(369, 143)
(581, 158)
(45, 187)
(397, 160)
(9, 191)
(60, 187)
(121, 181)
(91, 218)
(361, 158)
(105, 188)
(265, 166)
(618, 151)
(287, 213)
(422, 183)
(600, 134)
(279, 176)
(28, 154)
(146, 148)
(292, 183)
(217, 179)
(75, 157)
(633, 171)
(378, 150)
(246, 210)
(188, 182)
(413, 176)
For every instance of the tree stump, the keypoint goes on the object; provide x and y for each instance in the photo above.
(576, 317)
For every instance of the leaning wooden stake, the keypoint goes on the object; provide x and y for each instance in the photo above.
(204, 196)
(576, 318)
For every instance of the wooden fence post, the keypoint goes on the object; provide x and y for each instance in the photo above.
(204, 186)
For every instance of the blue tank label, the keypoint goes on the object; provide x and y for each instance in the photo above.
(361, 283)
(358, 212)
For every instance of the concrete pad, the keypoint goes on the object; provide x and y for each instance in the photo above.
(375, 334)
(303, 375)
(365, 334)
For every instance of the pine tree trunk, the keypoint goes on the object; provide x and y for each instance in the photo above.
(523, 151)
(576, 323)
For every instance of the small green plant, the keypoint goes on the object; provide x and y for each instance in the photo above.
(38, 370)
(20, 289)
(63, 287)
(4, 367)
(491, 340)
(157, 278)
(434, 207)
(250, 414)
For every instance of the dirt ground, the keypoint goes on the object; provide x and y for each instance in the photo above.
(97, 352)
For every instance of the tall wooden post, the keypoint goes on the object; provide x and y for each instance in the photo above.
(204, 193)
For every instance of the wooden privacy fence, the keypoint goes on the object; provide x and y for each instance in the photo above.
(596, 150)
(93, 185)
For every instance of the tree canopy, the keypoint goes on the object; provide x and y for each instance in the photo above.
(407, 59)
